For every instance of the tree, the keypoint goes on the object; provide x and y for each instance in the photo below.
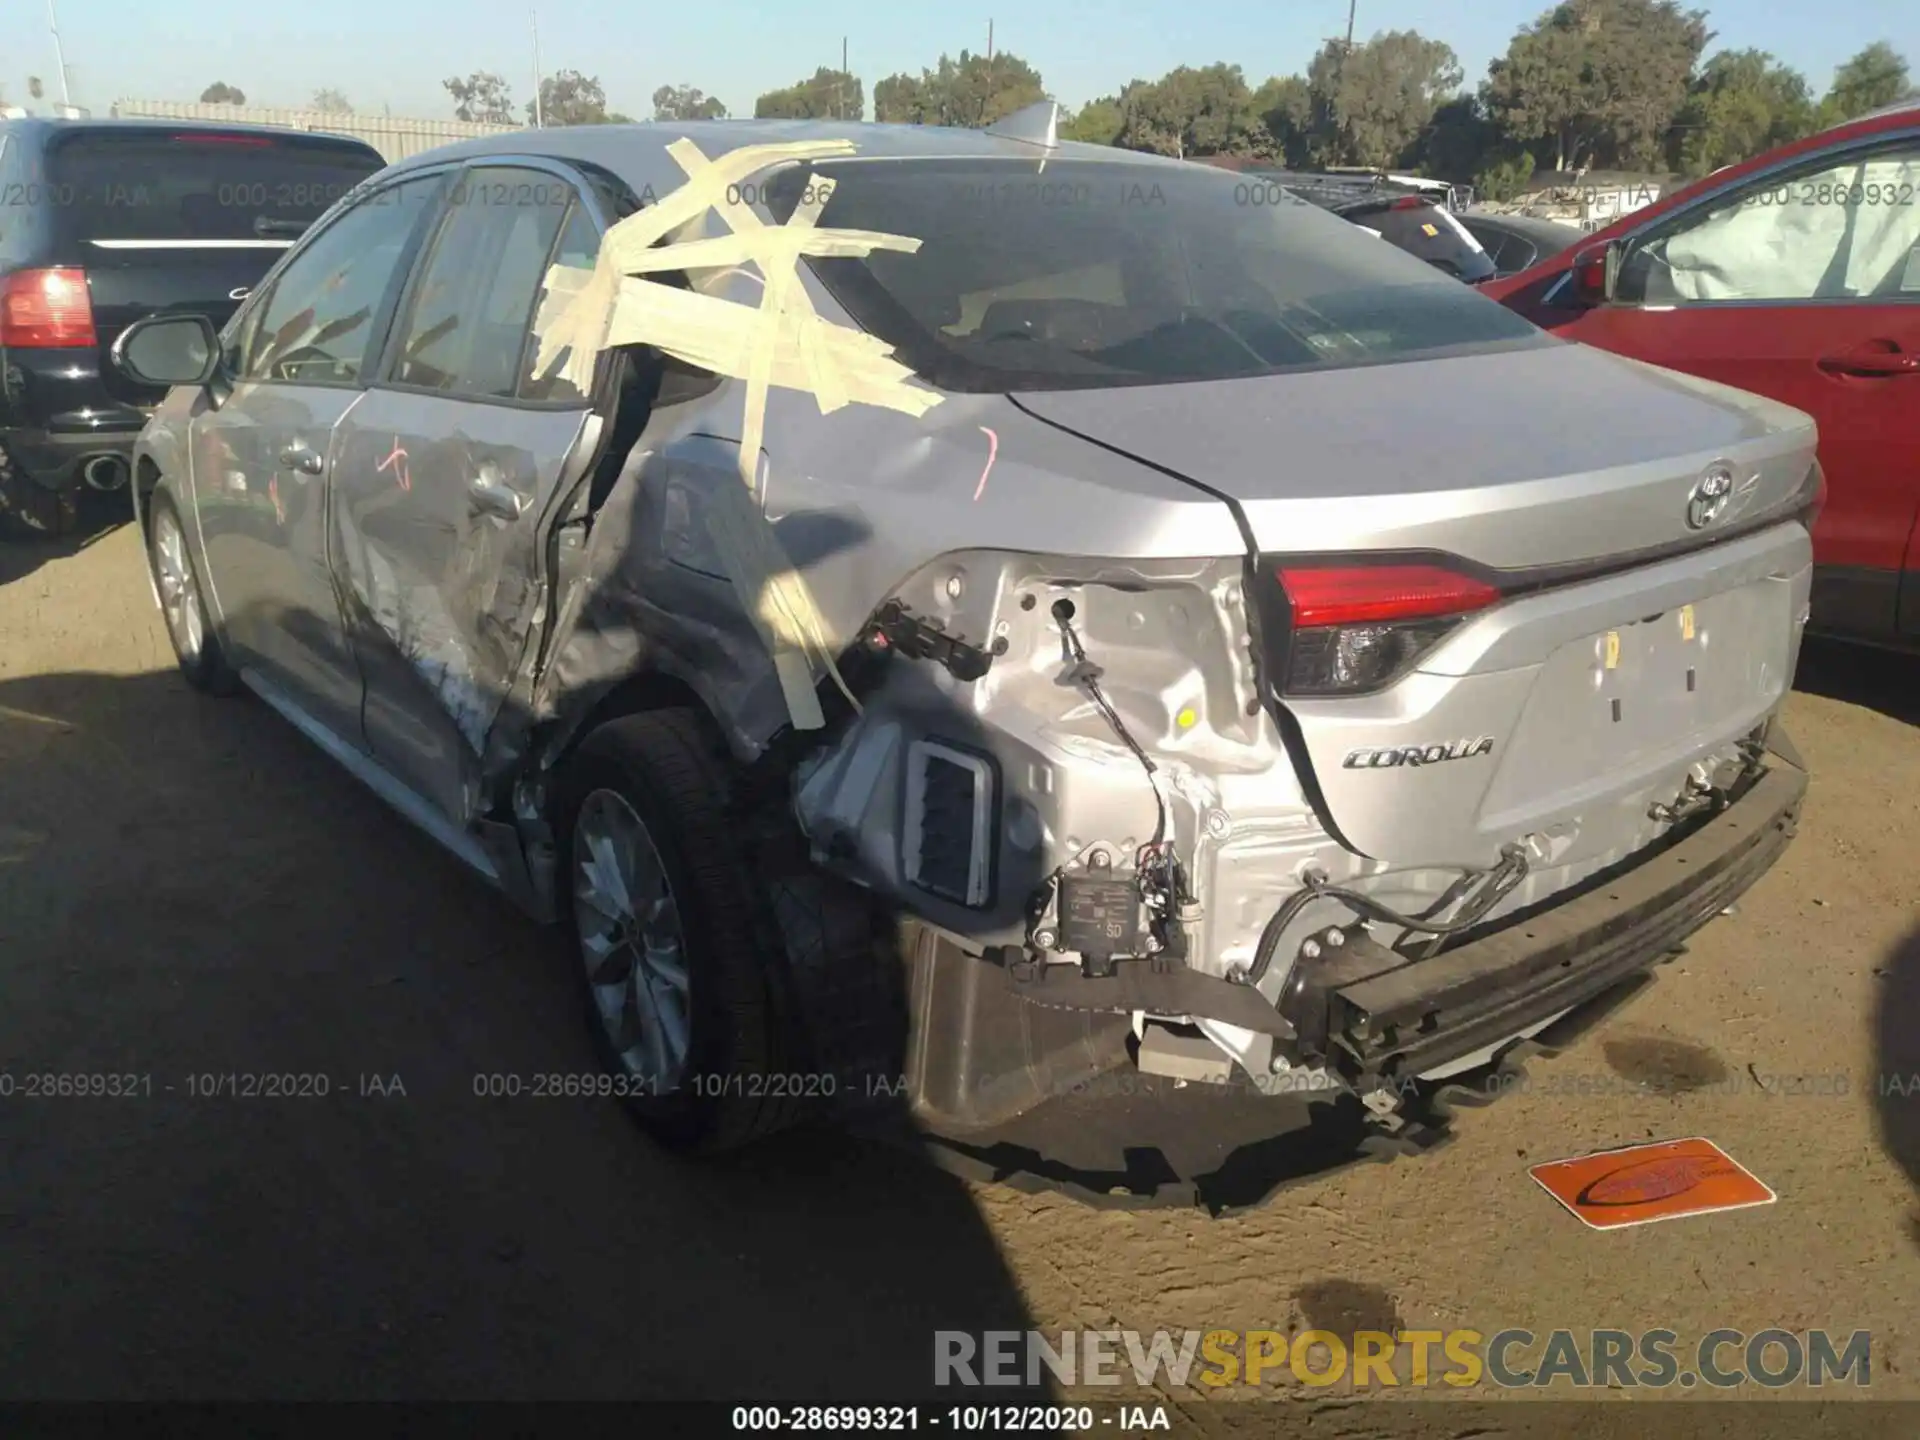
(331, 101)
(221, 93)
(1506, 174)
(829, 95)
(684, 102)
(1874, 78)
(1284, 104)
(569, 98)
(1741, 104)
(1187, 112)
(1458, 141)
(1373, 103)
(1597, 81)
(1098, 122)
(971, 92)
(481, 96)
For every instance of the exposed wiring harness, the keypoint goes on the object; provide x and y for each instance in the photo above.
(1157, 862)
(1491, 886)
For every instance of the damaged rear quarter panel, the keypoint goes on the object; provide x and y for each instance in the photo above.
(860, 499)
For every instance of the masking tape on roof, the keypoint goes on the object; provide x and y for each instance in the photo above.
(781, 341)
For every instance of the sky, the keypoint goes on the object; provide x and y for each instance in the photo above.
(395, 53)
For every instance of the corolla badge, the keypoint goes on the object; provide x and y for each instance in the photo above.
(1433, 754)
(1709, 498)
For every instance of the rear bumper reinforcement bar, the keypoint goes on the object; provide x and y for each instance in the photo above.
(1412, 1017)
(1422, 1015)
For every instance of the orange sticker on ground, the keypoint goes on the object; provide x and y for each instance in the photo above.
(1644, 1183)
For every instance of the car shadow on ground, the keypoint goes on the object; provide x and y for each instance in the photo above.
(1883, 680)
(1896, 1030)
(100, 516)
(281, 1005)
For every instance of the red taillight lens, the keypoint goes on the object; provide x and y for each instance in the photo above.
(1351, 595)
(1409, 202)
(43, 309)
(1356, 628)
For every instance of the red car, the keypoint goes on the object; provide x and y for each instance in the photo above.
(1795, 275)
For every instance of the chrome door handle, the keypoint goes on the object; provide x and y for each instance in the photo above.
(492, 496)
(302, 457)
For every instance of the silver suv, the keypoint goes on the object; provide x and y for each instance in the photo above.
(954, 614)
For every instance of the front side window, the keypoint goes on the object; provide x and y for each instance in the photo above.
(317, 325)
(466, 329)
(1832, 230)
(1105, 273)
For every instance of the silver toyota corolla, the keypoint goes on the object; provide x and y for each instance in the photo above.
(959, 606)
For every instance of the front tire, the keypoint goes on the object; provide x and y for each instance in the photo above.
(668, 936)
(183, 603)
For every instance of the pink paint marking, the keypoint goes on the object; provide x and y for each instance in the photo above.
(398, 460)
(993, 449)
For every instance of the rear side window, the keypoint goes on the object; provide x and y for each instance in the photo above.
(198, 185)
(468, 321)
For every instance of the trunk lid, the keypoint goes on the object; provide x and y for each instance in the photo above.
(1627, 644)
(167, 217)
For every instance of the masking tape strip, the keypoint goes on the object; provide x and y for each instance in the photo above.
(782, 341)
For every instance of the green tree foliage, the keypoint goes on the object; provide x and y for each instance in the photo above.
(1284, 105)
(481, 96)
(221, 93)
(1372, 105)
(1098, 122)
(1186, 112)
(970, 92)
(332, 102)
(1503, 174)
(1598, 81)
(829, 95)
(1741, 104)
(685, 102)
(569, 98)
(1874, 78)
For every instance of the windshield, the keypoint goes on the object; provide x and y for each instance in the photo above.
(1105, 273)
(199, 185)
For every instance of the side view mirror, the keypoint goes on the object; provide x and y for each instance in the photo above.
(168, 350)
(1596, 272)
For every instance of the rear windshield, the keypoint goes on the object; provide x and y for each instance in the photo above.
(1427, 232)
(1105, 273)
(163, 185)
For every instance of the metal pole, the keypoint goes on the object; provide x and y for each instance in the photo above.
(987, 99)
(539, 117)
(838, 112)
(53, 24)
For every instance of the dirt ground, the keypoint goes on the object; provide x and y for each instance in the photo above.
(188, 888)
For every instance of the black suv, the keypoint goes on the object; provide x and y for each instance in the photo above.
(102, 222)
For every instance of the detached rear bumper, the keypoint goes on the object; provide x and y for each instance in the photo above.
(990, 1047)
(1420, 1016)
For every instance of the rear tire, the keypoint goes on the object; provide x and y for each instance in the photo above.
(32, 512)
(651, 792)
(183, 604)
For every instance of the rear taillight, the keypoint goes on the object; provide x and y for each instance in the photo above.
(1355, 628)
(1409, 202)
(44, 309)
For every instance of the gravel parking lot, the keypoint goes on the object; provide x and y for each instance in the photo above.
(189, 889)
